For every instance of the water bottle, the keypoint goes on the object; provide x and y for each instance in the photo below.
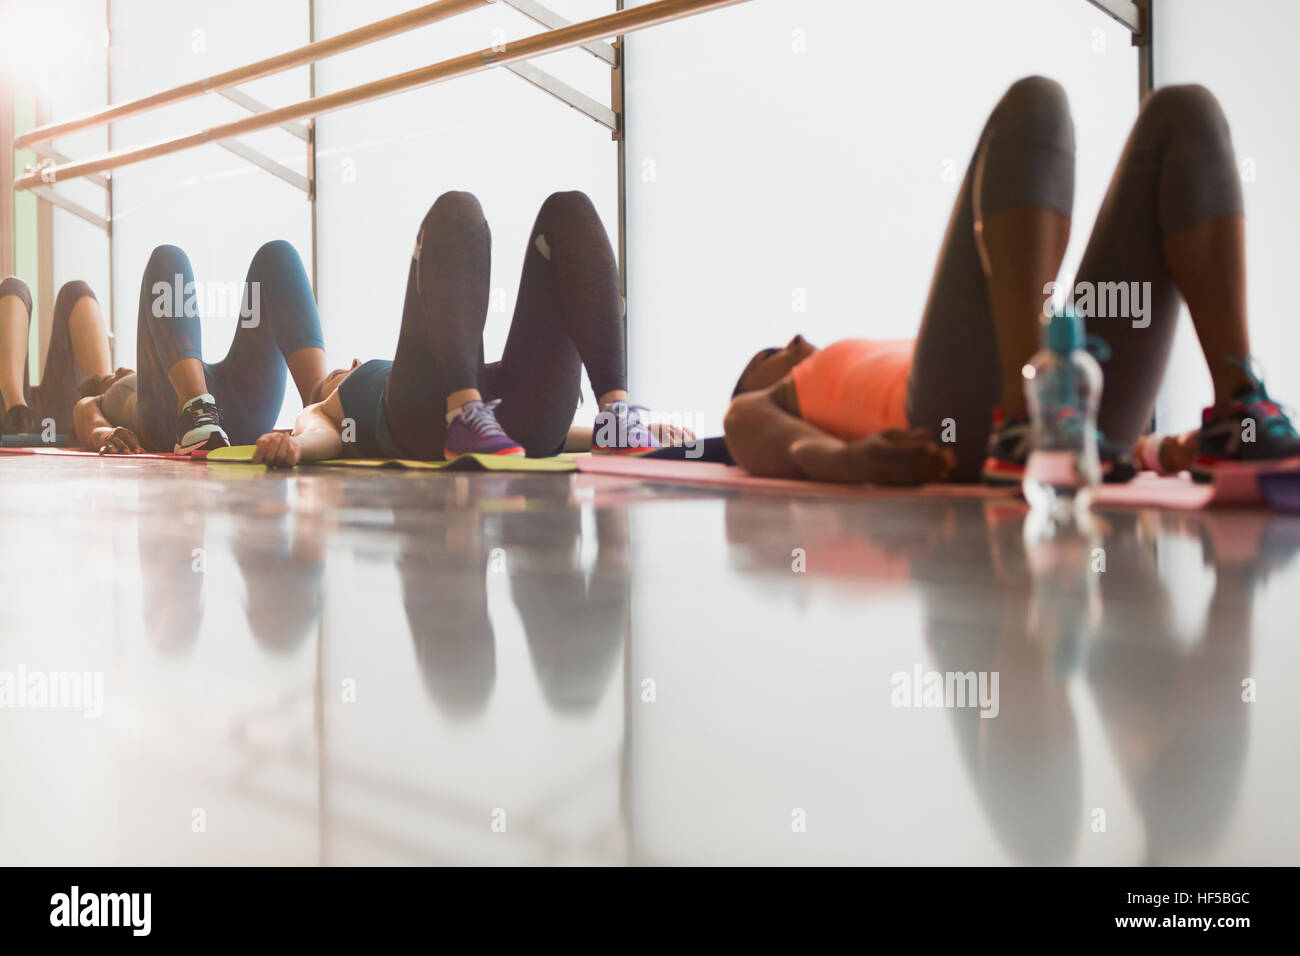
(1063, 387)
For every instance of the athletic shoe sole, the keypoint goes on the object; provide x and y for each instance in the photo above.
(1204, 467)
(1002, 473)
(214, 441)
(515, 452)
(625, 452)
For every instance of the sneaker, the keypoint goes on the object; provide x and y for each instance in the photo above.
(18, 421)
(1009, 446)
(1011, 441)
(1117, 464)
(475, 431)
(199, 427)
(618, 430)
(1249, 430)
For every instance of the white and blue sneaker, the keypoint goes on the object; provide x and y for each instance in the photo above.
(199, 427)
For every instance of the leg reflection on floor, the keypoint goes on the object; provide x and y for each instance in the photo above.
(347, 667)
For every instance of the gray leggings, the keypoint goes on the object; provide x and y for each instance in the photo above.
(1177, 169)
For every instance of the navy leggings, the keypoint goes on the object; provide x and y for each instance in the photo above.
(278, 317)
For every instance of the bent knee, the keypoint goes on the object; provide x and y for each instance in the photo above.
(456, 203)
(167, 260)
(455, 214)
(72, 293)
(276, 254)
(1036, 107)
(573, 202)
(569, 220)
(1186, 106)
(12, 285)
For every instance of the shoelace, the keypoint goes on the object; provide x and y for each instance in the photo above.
(631, 415)
(482, 418)
(205, 413)
(1277, 423)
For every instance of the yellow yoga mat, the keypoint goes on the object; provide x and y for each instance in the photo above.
(560, 463)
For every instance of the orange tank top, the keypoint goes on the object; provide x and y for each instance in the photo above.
(855, 387)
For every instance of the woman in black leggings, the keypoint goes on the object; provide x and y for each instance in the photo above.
(438, 399)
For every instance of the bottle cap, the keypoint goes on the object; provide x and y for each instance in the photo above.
(1065, 331)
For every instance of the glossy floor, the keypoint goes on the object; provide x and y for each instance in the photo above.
(217, 665)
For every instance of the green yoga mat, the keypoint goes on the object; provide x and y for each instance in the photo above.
(561, 463)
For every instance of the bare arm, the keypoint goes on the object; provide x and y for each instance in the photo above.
(95, 432)
(769, 439)
(578, 438)
(1167, 454)
(761, 426)
(317, 436)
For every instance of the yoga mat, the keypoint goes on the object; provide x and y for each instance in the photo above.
(700, 450)
(82, 453)
(1147, 490)
(562, 463)
(1281, 490)
(35, 440)
(1181, 493)
(729, 476)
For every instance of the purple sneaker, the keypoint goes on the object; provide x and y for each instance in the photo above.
(475, 431)
(619, 431)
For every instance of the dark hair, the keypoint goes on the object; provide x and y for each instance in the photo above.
(758, 356)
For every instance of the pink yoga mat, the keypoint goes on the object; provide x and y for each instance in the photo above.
(1233, 487)
(81, 453)
(728, 476)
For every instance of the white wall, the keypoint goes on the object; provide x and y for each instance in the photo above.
(1244, 52)
(800, 147)
(215, 206)
(381, 165)
(62, 55)
(78, 83)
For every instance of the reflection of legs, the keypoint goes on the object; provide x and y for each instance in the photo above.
(1025, 764)
(980, 322)
(282, 573)
(78, 350)
(279, 331)
(171, 591)
(575, 624)
(1171, 710)
(1171, 218)
(15, 326)
(444, 591)
(569, 314)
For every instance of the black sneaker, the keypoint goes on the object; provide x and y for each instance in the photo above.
(1249, 430)
(1011, 442)
(199, 427)
(1009, 446)
(1117, 465)
(18, 421)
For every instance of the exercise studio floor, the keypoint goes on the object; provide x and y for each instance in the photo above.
(363, 667)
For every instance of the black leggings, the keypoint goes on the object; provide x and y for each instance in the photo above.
(1177, 169)
(569, 314)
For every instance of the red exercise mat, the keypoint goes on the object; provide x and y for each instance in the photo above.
(81, 453)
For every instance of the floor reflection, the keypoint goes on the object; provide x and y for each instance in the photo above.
(374, 668)
(1094, 606)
